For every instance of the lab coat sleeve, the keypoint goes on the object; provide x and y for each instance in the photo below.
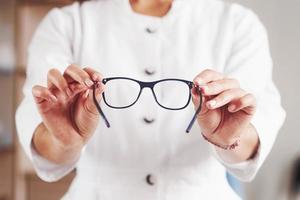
(49, 48)
(250, 63)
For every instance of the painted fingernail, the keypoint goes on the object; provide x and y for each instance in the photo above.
(231, 108)
(53, 98)
(88, 82)
(212, 103)
(69, 92)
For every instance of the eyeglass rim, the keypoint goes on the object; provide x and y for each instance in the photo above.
(151, 84)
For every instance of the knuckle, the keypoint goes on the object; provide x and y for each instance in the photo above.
(71, 68)
(234, 82)
(88, 69)
(238, 91)
(247, 99)
(216, 87)
(39, 91)
(229, 94)
(244, 101)
(92, 72)
(219, 87)
(52, 72)
(82, 73)
(207, 72)
(232, 92)
(251, 98)
(35, 90)
(35, 87)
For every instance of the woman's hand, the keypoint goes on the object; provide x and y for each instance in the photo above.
(227, 109)
(66, 105)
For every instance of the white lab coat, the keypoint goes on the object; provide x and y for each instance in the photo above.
(195, 35)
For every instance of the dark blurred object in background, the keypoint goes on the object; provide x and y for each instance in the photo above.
(294, 189)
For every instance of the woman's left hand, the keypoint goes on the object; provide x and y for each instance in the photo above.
(226, 110)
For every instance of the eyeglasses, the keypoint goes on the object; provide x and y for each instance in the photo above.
(123, 92)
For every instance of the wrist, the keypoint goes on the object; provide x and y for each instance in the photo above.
(246, 150)
(49, 147)
(229, 146)
(253, 141)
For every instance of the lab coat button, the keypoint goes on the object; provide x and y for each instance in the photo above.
(150, 179)
(149, 30)
(148, 120)
(149, 71)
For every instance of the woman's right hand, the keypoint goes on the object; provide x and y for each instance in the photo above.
(66, 105)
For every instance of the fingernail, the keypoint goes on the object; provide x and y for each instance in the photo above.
(86, 94)
(88, 82)
(69, 92)
(231, 108)
(212, 103)
(53, 98)
(95, 77)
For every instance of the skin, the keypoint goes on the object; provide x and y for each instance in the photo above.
(68, 112)
(226, 114)
(70, 116)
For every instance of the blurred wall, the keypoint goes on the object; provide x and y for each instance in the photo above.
(6, 35)
(282, 20)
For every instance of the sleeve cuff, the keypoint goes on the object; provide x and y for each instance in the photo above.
(49, 171)
(244, 171)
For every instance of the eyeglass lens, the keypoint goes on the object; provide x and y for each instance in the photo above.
(170, 94)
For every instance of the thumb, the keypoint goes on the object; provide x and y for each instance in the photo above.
(93, 94)
(196, 95)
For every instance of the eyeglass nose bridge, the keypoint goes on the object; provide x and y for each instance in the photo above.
(146, 85)
(149, 85)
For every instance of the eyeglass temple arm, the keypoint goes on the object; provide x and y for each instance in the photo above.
(196, 113)
(98, 106)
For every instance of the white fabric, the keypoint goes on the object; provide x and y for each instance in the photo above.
(193, 36)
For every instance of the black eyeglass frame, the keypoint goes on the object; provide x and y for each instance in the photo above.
(150, 85)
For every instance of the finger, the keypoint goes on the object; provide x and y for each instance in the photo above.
(96, 76)
(246, 103)
(207, 76)
(55, 78)
(195, 96)
(42, 94)
(225, 97)
(98, 91)
(88, 100)
(79, 75)
(216, 87)
(196, 100)
(77, 88)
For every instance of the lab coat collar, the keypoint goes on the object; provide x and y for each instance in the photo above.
(176, 9)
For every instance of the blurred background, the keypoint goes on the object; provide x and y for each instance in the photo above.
(279, 178)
